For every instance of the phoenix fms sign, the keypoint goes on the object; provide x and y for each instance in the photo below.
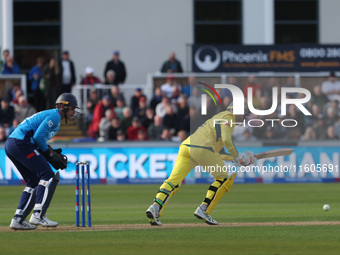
(261, 58)
(239, 99)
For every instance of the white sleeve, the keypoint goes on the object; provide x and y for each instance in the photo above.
(324, 87)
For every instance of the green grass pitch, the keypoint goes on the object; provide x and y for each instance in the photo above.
(124, 205)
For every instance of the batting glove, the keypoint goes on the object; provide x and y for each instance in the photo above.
(240, 159)
(245, 159)
(251, 157)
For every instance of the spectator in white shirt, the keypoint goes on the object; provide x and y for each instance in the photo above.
(331, 87)
(169, 87)
(160, 108)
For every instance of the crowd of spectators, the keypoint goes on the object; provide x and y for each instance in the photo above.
(136, 119)
(173, 112)
(14, 108)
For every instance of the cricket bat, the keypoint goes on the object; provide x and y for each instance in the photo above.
(274, 153)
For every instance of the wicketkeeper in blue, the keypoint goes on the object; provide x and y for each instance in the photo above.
(27, 148)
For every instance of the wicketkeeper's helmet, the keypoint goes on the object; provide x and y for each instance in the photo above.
(67, 99)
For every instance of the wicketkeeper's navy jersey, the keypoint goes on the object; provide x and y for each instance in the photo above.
(44, 126)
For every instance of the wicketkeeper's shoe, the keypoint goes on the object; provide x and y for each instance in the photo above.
(46, 222)
(153, 215)
(200, 214)
(15, 224)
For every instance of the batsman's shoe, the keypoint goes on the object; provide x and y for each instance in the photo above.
(45, 222)
(15, 224)
(200, 214)
(153, 216)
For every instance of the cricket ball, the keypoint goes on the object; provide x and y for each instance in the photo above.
(326, 207)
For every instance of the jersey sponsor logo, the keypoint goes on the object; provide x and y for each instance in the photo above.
(50, 123)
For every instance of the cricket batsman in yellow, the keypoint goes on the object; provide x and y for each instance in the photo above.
(205, 147)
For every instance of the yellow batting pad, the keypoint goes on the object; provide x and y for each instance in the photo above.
(220, 192)
(167, 200)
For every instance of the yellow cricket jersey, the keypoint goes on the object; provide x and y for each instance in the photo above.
(214, 134)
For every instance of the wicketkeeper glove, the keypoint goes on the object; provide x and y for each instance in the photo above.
(59, 150)
(58, 161)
